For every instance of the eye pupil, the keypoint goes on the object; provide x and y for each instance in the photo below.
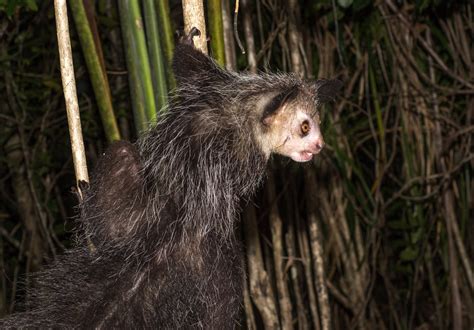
(305, 127)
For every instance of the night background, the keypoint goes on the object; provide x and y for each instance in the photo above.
(381, 220)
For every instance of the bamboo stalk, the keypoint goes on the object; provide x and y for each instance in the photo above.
(229, 44)
(249, 38)
(216, 30)
(294, 38)
(167, 38)
(70, 94)
(193, 14)
(96, 70)
(90, 13)
(141, 85)
(109, 9)
(156, 55)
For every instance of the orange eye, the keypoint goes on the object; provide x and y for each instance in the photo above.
(305, 127)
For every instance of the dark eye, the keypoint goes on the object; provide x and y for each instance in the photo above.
(305, 127)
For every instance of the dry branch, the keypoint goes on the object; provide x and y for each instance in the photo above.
(69, 88)
(277, 243)
(193, 14)
(260, 287)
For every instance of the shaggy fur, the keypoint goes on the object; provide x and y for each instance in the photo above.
(161, 213)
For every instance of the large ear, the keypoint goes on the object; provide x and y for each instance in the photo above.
(326, 90)
(272, 106)
(191, 66)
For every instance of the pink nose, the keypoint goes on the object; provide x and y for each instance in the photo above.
(319, 145)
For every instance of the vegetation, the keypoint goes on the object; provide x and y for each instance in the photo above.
(376, 233)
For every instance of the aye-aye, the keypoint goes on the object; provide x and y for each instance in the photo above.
(156, 246)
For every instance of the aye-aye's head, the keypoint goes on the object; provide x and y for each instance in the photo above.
(283, 109)
(289, 122)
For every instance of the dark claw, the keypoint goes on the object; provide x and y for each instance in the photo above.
(188, 40)
(80, 190)
(83, 185)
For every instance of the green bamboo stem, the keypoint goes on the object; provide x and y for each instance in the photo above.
(96, 71)
(156, 54)
(165, 27)
(167, 37)
(214, 15)
(141, 85)
(90, 14)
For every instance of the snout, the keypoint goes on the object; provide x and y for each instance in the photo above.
(317, 146)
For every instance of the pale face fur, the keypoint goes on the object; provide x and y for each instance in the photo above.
(293, 132)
